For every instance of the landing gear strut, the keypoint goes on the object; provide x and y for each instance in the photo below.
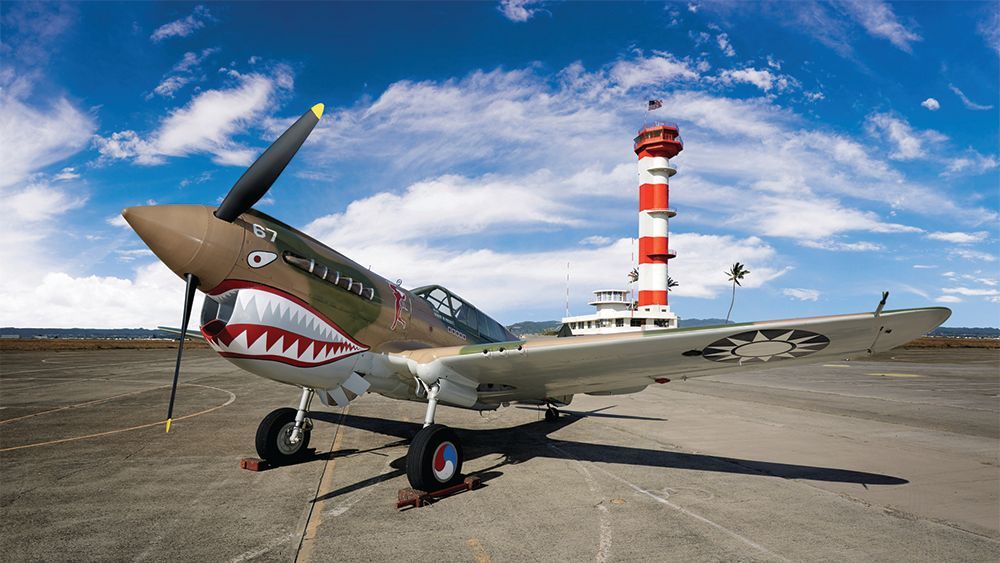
(434, 460)
(551, 414)
(283, 435)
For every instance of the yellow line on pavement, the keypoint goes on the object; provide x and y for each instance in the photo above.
(478, 552)
(316, 508)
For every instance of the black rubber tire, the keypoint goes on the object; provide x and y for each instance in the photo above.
(551, 415)
(420, 458)
(270, 431)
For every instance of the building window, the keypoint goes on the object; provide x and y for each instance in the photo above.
(619, 322)
(661, 322)
(636, 322)
(590, 324)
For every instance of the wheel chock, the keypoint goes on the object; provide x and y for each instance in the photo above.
(417, 499)
(254, 464)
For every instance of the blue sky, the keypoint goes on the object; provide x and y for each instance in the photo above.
(837, 148)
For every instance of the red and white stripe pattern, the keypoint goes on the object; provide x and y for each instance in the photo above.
(654, 211)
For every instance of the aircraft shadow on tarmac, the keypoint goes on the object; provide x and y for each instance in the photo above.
(530, 440)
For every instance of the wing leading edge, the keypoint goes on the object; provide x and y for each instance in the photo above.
(538, 369)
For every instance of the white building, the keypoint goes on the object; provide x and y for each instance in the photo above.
(616, 312)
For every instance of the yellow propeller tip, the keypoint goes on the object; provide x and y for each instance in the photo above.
(318, 110)
(168, 424)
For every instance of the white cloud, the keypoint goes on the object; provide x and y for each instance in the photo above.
(924, 266)
(725, 46)
(449, 206)
(206, 124)
(879, 20)
(916, 291)
(184, 26)
(153, 297)
(966, 101)
(68, 173)
(182, 73)
(35, 203)
(931, 104)
(974, 255)
(838, 246)
(948, 299)
(970, 292)
(132, 254)
(117, 220)
(763, 79)
(989, 28)
(643, 71)
(907, 143)
(518, 10)
(32, 138)
(959, 237)
(801, 294)
(171, 84)
(971, 163)
(595, 240)
(814, 96)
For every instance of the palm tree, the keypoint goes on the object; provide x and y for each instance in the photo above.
(735, 274)
(671, 283)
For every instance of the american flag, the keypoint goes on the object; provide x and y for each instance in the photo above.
(654, 104)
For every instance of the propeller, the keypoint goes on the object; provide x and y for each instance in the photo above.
(192, 284)
(255, 182)
(248, 190)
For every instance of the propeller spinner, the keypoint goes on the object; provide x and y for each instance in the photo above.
(189, 239)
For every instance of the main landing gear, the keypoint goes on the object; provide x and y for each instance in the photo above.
(283, 435)
(434, 460)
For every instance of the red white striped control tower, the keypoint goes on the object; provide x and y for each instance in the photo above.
(655, 145)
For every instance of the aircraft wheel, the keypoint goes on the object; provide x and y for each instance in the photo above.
(551, 415)
(274, 437)
(434, 460)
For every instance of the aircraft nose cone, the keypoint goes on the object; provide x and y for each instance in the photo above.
(188, 239)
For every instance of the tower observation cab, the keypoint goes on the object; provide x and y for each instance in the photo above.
(655, 144)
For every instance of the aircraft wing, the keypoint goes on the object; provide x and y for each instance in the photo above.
(603, 364)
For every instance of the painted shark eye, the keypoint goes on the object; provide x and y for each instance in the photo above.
(260, 258)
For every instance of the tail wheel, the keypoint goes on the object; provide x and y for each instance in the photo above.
(551, 414)
(434, 459)
(274, 437)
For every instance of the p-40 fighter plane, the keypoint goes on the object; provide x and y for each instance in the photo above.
(282, 305)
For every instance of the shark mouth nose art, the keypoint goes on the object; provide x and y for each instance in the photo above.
(254, 321)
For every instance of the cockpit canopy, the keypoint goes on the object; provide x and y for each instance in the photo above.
(458, 313)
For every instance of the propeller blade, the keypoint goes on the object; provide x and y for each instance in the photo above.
(255, 182)
(192, 284)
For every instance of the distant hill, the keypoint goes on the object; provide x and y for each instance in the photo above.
(966, 332)
(107, 333)
(533, 327)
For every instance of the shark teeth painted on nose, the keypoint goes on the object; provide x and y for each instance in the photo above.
(268, 326)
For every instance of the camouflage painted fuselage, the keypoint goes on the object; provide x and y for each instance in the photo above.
(284, 306)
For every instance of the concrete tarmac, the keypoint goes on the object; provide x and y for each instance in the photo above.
(894, 458)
